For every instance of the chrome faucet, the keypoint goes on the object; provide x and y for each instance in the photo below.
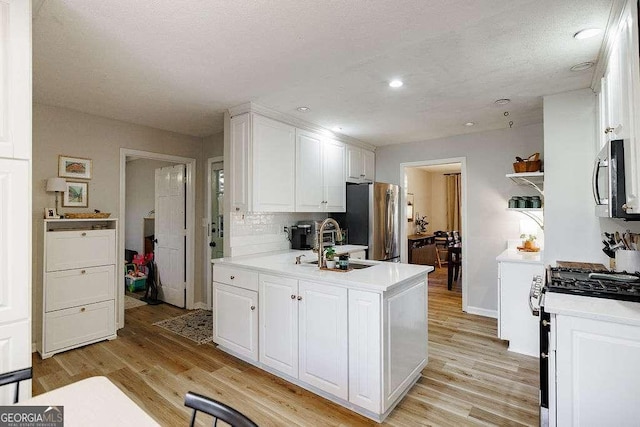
(322, 262)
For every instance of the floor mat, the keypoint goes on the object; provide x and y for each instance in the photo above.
(196, 326)
(130, 302)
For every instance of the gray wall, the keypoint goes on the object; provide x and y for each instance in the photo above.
(489, 156)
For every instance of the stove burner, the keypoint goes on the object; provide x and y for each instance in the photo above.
(577, 281)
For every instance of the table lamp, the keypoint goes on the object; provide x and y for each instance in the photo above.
(57, 185)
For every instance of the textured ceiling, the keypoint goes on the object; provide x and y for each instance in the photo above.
(177, 65)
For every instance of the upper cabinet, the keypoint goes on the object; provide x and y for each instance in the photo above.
(320, 173)
(276, 167)
(273, 165)
(360, 165)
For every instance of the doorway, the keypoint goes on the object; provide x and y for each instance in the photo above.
(187, 233)
(214, 240)
(434, 192)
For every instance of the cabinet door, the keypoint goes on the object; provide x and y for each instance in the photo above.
(274, 148)
(369, 165)
(309, 172)
(517, 324)
(15, 353)
(335, 191)
(15, 86)
(597, 372)
(15, 241)
(239, 160)
(355, 164)
(323, 338)
(365, 369)
(279, 323)
(236, 320)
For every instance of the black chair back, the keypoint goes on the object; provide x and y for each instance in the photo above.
(218, 410)
(16, 377)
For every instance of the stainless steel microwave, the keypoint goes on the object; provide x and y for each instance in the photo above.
(608, 182)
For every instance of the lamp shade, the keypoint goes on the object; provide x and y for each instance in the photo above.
(56, 184)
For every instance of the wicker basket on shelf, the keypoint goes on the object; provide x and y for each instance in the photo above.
(531, 164)
(87, 215)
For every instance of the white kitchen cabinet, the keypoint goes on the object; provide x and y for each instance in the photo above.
(360, 165)
(79, 284)
(236, 319)
(516, 323)
(323, 341)
(273, 146)
(597, 373)
(320, 173)
(358, 255)
(278, 335)
(238, 172)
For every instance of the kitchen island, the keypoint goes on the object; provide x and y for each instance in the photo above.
(358, 338)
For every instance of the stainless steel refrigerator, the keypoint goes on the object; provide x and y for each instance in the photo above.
(372, 219)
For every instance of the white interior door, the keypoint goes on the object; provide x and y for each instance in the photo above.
(170, 232)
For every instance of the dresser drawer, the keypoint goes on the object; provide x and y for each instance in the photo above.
(78, 325)
(72, 288)
(237, 277)
(66, 250)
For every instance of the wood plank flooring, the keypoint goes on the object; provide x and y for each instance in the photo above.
(471, 378)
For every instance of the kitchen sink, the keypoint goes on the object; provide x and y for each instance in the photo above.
(352, 264)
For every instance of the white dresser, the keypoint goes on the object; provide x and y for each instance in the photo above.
(79, 284)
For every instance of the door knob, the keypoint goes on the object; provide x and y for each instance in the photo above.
(212, 244)
(253, 307)
(293, 297)
(299, 298)
(155, 240)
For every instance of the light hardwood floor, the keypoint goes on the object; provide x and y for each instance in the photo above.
(471, 378)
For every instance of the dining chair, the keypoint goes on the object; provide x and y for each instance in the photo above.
(218, 410)
(16, 377)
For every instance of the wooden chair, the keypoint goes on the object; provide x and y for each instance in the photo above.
(16, 377)
(218, 410)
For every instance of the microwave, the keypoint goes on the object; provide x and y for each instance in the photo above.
(608, 182)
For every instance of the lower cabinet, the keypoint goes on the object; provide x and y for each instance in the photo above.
(236, 320)
(597, 374)
(303, 332)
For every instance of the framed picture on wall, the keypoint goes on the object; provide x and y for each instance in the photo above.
(76, 195)
(74, 167)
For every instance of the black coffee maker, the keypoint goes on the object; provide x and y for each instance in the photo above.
(301, 237)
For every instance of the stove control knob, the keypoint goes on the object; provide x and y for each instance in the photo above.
(544, 355)
(545, 323)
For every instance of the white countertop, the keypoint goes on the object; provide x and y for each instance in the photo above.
(381, 277)
(513, 255)
(605, 309)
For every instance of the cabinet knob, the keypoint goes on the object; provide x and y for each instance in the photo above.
(83, 272)
(299, 298)
(82, 310)
(544, 355)
(253, 307)
(609, 130)
(83, 234)
(293, 297)
(232, 277)
(237, 209)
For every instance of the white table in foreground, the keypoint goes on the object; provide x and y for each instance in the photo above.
(95, 401)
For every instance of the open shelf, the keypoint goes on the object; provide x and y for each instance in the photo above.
(525, 209)
(531, 179)
(532, 213)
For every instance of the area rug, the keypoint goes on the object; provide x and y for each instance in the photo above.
(130, 302)
(196, 326)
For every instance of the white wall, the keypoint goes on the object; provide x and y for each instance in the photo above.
(59, 130)
(572, 231)
(490, 156)
(139, 199)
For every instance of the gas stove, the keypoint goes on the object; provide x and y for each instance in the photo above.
(578, 282)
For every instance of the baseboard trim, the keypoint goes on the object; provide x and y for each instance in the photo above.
(482, 312)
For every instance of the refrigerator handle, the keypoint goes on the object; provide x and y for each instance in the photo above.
(388, 225)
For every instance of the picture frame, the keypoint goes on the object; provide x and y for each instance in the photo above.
(50, 213)
(76, 195)
(74, 167)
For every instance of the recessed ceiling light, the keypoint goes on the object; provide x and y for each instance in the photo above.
(470, 124)
(502, 101)
(396, 83)
(586, 33)
(582, 66)
(303, 109)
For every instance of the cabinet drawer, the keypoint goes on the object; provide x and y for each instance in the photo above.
(236, 277)
(71, 288)
(78, 325)
(66, 250)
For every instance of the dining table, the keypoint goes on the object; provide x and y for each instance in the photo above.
(94, 401)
